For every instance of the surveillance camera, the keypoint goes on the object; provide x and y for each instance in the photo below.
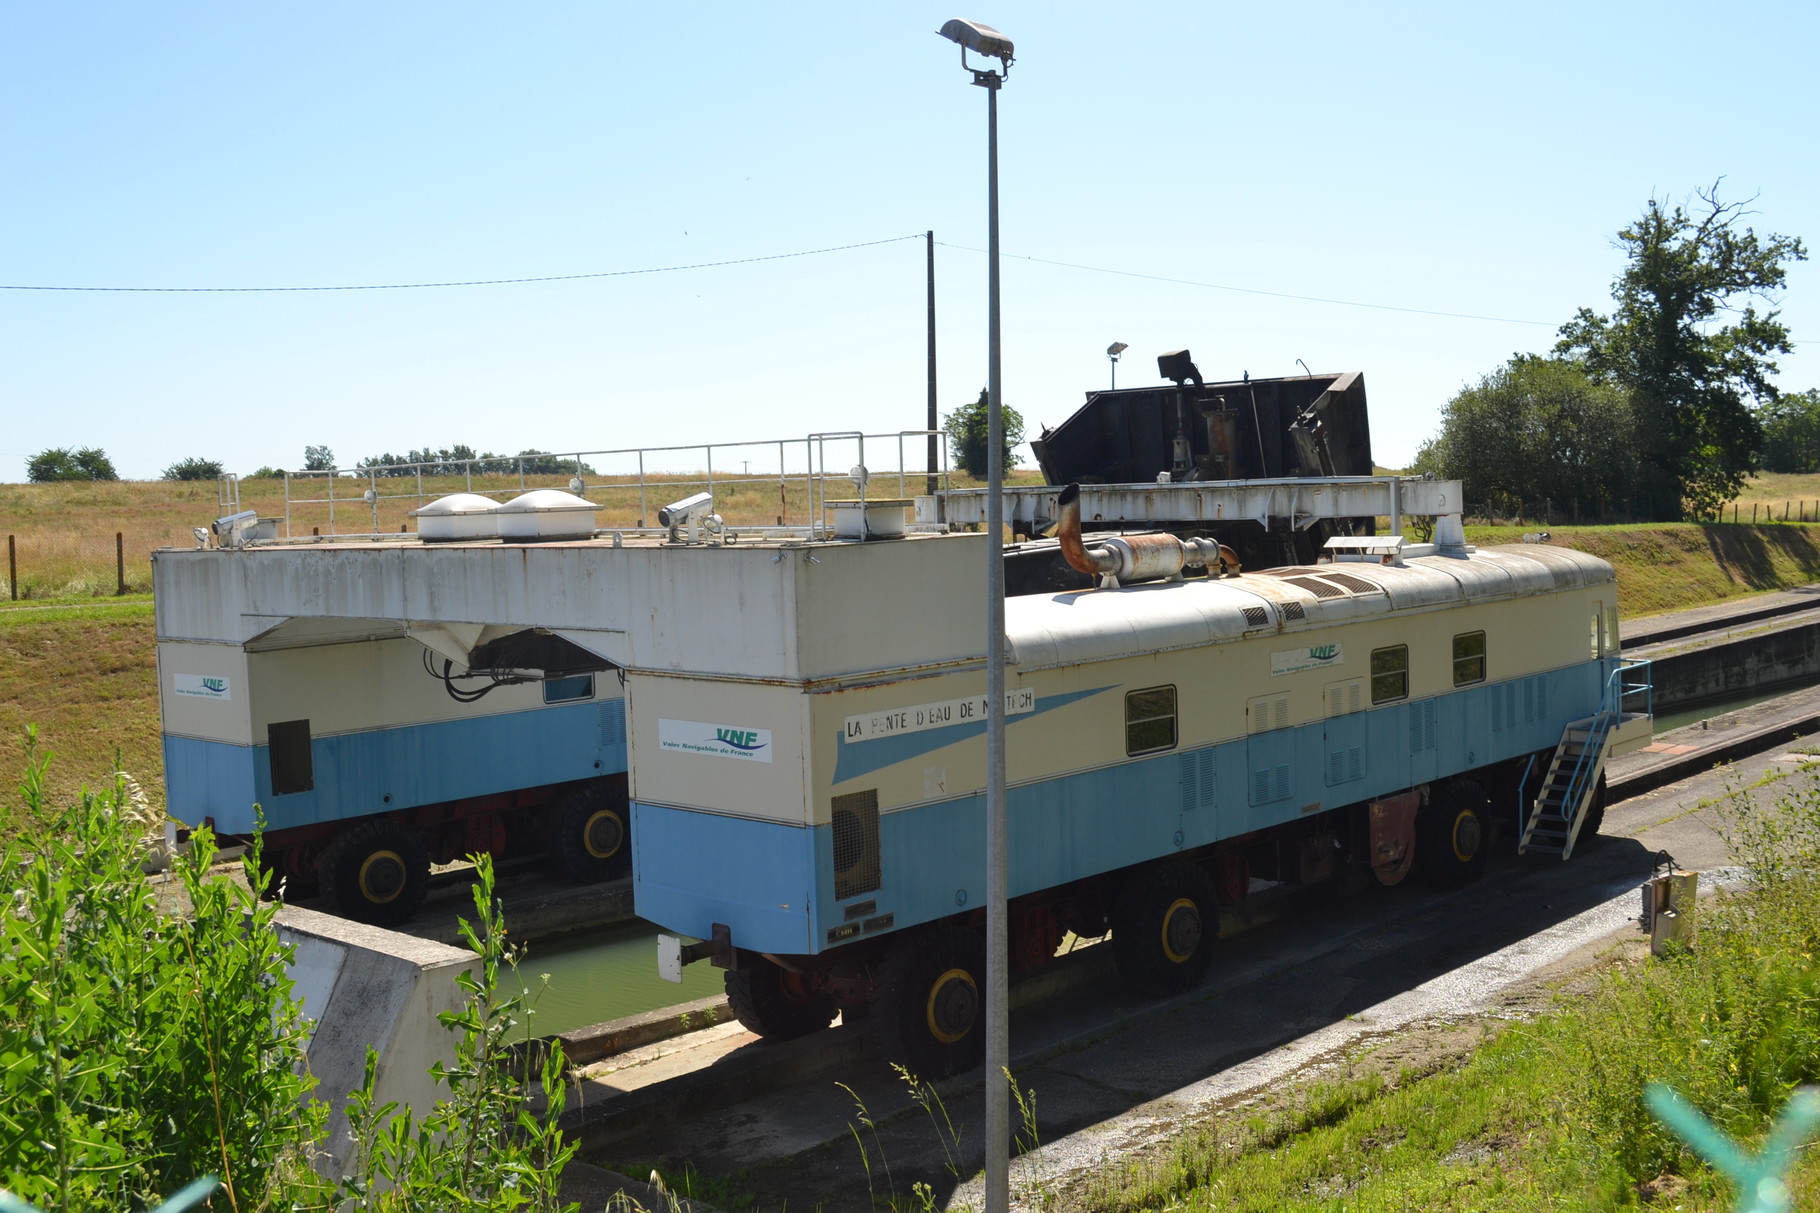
(686, 511)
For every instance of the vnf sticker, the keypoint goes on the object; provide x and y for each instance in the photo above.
(1314, 657)
(715, 740)
(201, 686)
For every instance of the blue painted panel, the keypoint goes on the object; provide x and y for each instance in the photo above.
(413, 765)
(211, 779)
(691, 870)
(697, 868)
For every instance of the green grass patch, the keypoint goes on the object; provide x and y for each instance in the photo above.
(1549, 1114)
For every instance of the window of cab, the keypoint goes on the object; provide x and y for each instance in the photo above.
(1150, 720)
(1468, 658)
(1390, 673)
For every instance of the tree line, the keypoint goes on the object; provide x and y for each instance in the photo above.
(1660, 409)
(92, 463)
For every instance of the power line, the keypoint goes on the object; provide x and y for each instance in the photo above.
(421, 286)
(1247, 290)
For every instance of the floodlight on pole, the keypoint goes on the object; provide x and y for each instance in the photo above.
(1112, 355)
(985, 41)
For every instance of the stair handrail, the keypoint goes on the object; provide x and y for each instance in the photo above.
(1611, 706)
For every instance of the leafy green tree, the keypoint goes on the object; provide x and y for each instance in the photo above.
(967, 434)
(318, 459)
(194, 469)
(1791, 432)
(1686, 374)
(268, 472)
(68, 463)
(1536, 429)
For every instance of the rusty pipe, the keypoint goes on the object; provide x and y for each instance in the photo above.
(1094, 563)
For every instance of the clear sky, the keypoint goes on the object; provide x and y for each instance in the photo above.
(1451, 157)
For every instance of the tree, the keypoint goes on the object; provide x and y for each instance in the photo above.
(967, 435)
(1687, 376)
(318, 459)
(194, 469)
(66, 463)
(1791, 432)
(1536, 429)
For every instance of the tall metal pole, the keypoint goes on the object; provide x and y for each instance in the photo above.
(933, 424)
(998, 1051)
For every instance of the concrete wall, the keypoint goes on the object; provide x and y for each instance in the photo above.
(364, 986)
(1763, 660)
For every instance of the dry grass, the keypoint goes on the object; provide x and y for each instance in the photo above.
(1671, 566)
(87, 677)
(64, 532)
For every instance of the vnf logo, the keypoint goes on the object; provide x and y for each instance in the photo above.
(746, 740)
(214, 686)
(1324, 652)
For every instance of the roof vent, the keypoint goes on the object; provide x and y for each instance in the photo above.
(456, 517)
(544, 514)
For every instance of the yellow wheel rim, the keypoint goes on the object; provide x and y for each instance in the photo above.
(1181, 930)
(953, 1005)
(383, 876)
(1466, 835)
(603, 834)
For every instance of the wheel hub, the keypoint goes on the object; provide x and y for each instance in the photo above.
(1181, 930)
(1467, 835)
(382, 877)
(953, 1005)
(603, 834)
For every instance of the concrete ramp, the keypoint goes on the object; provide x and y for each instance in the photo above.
(365, 986)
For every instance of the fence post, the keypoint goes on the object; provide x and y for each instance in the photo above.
(12, 566)
(119, 563)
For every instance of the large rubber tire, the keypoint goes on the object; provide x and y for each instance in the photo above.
(591, 834)
(1164, 924)
(775, 1003)
(1453, 835)
(929, 1005)
(377, 871)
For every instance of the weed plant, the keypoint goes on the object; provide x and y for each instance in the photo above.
(140, 1049)
(149, 1034)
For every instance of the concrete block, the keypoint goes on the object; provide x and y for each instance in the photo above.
(365, 986)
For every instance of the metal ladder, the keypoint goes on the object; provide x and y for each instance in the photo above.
(1559, 810)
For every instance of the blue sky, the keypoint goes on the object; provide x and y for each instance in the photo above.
(1438, 157)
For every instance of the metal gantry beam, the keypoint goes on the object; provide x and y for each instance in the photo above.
(1302, 501)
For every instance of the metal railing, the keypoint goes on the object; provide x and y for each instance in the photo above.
(799, 466)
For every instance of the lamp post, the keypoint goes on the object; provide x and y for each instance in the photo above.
(1112, 355)
(987, 42)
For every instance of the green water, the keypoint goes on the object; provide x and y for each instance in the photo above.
(605, 975)
(1718, 707)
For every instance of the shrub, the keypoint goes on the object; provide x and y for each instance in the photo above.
(194, 469)
(68, 463)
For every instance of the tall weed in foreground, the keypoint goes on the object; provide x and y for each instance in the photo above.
(139, 1049)
(481, 1147)
(1732, 1024)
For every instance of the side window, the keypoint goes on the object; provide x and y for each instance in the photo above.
(1390, 673)
(568, 690)
(1595, 635)
(1150, 720)
(1612, 642)
(1468, 658)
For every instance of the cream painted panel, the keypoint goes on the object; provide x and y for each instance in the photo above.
(226, 719)
(741, 787)
(344, 688)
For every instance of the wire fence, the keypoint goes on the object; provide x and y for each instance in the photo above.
(1546, 512)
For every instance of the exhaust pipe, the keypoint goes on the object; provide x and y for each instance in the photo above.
(1126, 558)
